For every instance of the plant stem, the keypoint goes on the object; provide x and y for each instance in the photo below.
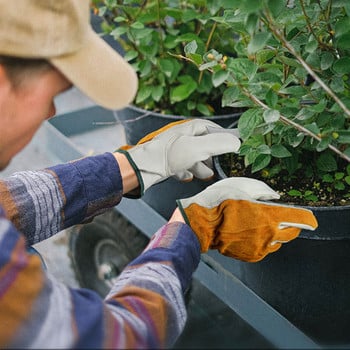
(206, 48)
(159, 26)
(307, 19)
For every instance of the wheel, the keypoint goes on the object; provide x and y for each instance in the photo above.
(100, 250)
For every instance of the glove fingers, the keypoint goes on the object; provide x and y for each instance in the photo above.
(214, 144)
(285, 235)
(241, 188)
(185, 176)
(209, 162)
(273, 248)
(202, 171)
(213, 130)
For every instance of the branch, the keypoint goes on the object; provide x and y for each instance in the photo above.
(291, 49)
(295, 125)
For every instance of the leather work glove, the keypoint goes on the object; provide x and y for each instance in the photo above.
(229, 217)
(181, 149)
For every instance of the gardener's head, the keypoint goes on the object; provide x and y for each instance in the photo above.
(46, 46)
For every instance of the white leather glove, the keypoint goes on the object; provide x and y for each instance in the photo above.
(182, 149)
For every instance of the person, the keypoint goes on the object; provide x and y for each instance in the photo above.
(47, 46)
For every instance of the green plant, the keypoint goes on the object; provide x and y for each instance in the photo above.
(291, 71)
(153, 33)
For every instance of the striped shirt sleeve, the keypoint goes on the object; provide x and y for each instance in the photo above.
(42, 203)
(144, 309)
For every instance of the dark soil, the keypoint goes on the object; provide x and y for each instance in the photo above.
(233, 165)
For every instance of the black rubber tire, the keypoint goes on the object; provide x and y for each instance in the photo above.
(101, 249)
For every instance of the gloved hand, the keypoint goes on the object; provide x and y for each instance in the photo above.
(182, 149)
(227, 216)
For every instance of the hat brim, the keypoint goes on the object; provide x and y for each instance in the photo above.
(99, 72)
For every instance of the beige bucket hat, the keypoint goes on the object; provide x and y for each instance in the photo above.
(60, 31)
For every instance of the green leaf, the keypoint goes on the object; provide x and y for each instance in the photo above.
(119, 19)
(276, 7)
(220, 77)
(295, 91)
(327, 60)
(326, 162)
(130, 55)
(261, 162)
(311, 46)
(191, 105)
(142, 33)
(157, 93)
(258, 41)
(342, 26)
(344, 136)
(197, 59)
(337, 84)
(188, 37)
(324, 143)
(250, 6)
(207, 65)
(191, 48)
(304, 114)
(311, 197)
(143, 93)
(343, 41)
(342, 65)
(251, 23)
(279, 151)
(167, 66)
(313, 127)
(295, 193)
(230, 96)
(117, 32)
(242, 68)
(203, 109)
(145, 68)
(347, 179)
(289, 61)
(327, 178)
(263, 149)
(248, 121)
(339, 186)
(319, 107)
(271, 115)
(271, 98)
(291, 163)
(137, 25)
(183, 91)
(170, 42)
(262, 56)
(339, 175)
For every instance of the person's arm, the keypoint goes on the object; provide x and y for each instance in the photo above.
(42, 203)
(144, 309)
